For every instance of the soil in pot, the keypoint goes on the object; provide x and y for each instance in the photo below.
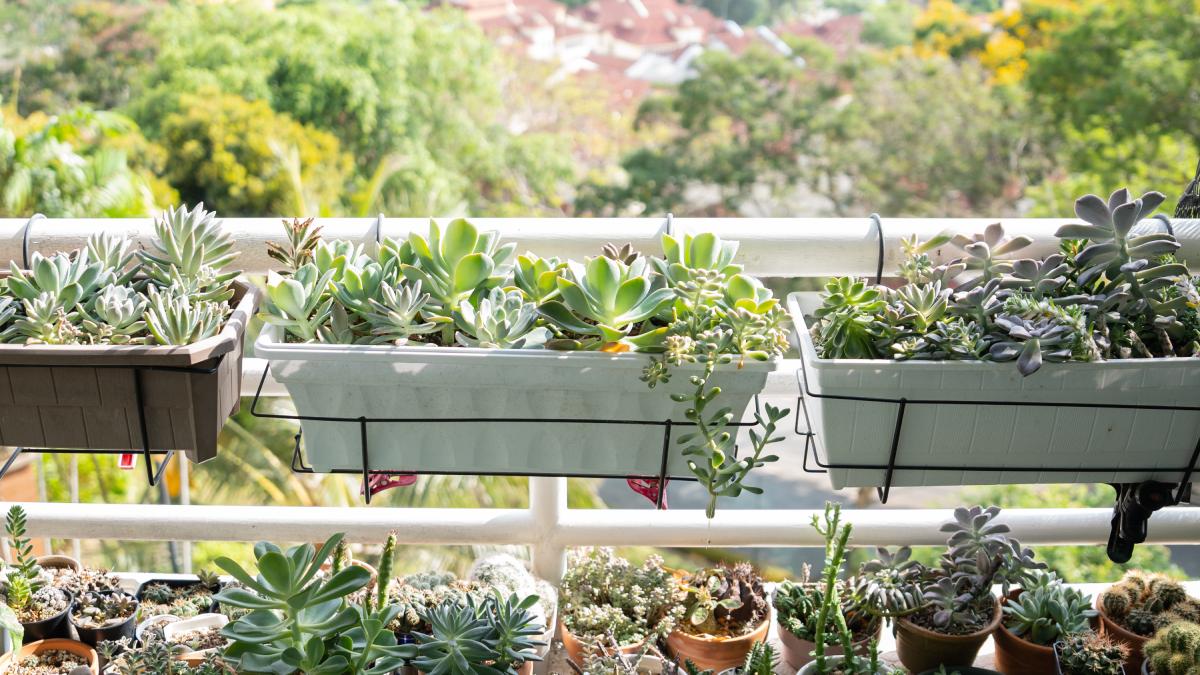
(83, 580)
(184, 598)
(796, 651)
(58, 562)
(921, 648)
(1118, 633)
(1016, 656)
(45, 617)
(104, 616)
(715, 653)
(50, 657)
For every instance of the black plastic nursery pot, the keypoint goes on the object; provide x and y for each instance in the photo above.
(176, 584)
(57, 626)
(111, 632)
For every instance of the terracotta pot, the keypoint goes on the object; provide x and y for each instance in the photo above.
(797, 651)
(575, 648)
(54, 562)
(714, 653)
(1016, 656)
(1114, 631)
(921, 649)
(83, 651)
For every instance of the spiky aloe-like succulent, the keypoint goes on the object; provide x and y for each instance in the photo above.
(175, 318)
(192, 245)
(500, 320)
(1047, 610)
(1089, 653)
(395, 316)
(116, 315)
(115, 253)
(602, 302)
(762, 659)
(302, 239)
(1175, 650)
(100, 609)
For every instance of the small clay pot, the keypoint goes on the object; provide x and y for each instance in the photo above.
(83, 651)
(53, 562)
(921, 649)
(1016, 656)
(1118, 633)
(714, 653)
(797, 652)
(575, 648)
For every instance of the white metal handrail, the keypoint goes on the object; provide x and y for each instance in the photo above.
(789, 247)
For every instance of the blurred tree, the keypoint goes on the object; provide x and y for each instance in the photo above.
(66, 166)
(412, 95)
(890, 24)
(240, 158)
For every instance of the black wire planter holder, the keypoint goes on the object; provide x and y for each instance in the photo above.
(369, 468)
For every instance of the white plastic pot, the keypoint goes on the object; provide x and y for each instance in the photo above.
(1154, 444)
(198, 622)
(351, 381)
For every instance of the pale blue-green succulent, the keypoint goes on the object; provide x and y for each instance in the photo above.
(500, 320)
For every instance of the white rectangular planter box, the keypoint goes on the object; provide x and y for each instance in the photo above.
(351, 381)
(1157, 443)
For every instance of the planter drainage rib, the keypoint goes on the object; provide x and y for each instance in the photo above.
(369, 468)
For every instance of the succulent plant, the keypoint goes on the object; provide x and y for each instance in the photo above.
(983, 254)
(302, 239)
(762, 659)
(728, 601)
(415, 594)
(846, 325)
(114, 253)
(191, 245)
(395, 318)
(156, 657)
(537, 277)
(298, 303)
(116, 315)
(890, 585)
(500, 320)
(705, 251)
(101, 609)
(603, 301)
(625, 253)
(176, 318)
(61, 279)
(493, 637)
(1142, 602)
(183, 601)
(1048, 610)
(1089, 653)
(604, 598)
(1175, 650)
(453, 265)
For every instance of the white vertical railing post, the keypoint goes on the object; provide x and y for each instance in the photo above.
(548, 505)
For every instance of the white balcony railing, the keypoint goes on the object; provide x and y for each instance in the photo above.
(769, 247)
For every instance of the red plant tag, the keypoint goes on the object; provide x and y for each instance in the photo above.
(380, 481)
(127, 460)
(648, 488)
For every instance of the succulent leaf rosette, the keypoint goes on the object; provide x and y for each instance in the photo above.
(459, 287)
(1110, 293)
(176, 293)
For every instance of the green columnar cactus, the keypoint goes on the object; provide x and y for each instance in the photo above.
(1175, 650)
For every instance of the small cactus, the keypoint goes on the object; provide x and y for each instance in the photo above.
(1175, 650)
(1090, 654)
(1141, 621)
(1116, 604)
(1144, 603)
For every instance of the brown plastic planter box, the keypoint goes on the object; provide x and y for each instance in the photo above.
(126, 397)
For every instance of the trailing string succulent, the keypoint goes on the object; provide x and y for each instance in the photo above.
(727, 601)
(493, 637)
(1175, 650)
(460, 287)
(1089, 653)
(606, 602)
(176, 293)
(1047, 610)
(954, 597)
(1144, 603)
(1110, 293)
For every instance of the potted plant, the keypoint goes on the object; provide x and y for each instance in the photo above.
(452, 325)
(100, 616)
(496, 636)
(1175, 650)
(198, 636)
(181, 597)
(725, 611)
(1093, 324)
(796, 605)
(943, 615)
(508, 576)
(40, 607)
(415, 594)
(51, 657)
(1037, 616)
(167, 321)
(78, 581)
(1090, 653)
(1140, 604)
(125, 657)
(607, 605)
(829, 619)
